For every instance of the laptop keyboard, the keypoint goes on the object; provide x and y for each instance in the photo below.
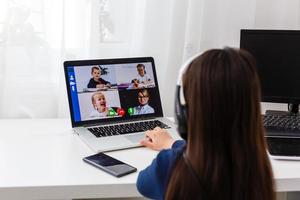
(120, 129)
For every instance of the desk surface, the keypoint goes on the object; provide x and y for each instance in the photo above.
(42, 159)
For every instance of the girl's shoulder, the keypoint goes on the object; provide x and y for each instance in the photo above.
(168, 156)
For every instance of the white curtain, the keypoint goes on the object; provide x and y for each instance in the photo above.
(36, 36)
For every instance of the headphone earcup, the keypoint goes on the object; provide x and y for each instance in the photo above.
(181, 116)
(182, 126)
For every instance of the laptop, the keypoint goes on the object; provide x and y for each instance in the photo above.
(114, 101)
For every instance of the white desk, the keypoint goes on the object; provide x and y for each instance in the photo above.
(42, 159)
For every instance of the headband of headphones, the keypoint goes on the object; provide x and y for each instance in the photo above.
(180, 103)
(182, 70)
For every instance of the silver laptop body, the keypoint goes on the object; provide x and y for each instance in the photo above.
(106, 93)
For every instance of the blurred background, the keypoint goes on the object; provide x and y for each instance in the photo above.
(36, 36)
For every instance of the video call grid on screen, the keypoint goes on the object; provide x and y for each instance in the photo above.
(122, 90)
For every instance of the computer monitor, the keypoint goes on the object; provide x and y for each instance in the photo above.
(277, 54)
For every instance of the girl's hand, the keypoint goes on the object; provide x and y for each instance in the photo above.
(157, 139)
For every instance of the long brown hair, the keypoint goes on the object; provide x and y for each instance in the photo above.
(226, 147)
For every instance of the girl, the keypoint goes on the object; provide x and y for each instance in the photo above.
(224, 155)
(99, 104)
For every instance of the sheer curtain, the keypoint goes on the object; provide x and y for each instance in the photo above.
(36, 36)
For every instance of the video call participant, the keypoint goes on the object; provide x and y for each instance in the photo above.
(99, 104)
(142, 78)
(143, 107)
(96, 81)
(223, 154)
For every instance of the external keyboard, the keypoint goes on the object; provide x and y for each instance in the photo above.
(282, 125)
(120, 129)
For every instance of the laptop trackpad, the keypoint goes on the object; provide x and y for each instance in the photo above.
(135, 138)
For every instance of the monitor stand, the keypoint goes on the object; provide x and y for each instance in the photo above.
(293, 108)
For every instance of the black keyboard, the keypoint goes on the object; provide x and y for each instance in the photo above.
(282, 125)
(120, 129)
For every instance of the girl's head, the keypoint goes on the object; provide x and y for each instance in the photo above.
(96, 72)
(141, 69)
(222, 92)
(99, 101)
(225, 143)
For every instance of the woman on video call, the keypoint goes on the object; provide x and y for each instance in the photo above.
(223, 156)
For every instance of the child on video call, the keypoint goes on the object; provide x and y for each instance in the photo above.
(142, 78)
(96, 81)
(99, 104)
(143, 108)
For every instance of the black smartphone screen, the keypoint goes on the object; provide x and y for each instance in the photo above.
(109, 164)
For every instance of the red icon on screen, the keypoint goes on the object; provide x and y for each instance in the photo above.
(121, 111)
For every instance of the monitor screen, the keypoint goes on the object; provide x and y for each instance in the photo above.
(277, 54)
(115, 89)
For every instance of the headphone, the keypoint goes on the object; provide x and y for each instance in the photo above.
(181, 111)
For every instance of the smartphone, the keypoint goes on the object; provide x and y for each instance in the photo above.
(109, 164)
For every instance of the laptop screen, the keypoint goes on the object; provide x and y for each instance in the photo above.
(112, 90)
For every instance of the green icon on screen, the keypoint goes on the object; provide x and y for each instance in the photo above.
(130, 111)
(111, 112)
